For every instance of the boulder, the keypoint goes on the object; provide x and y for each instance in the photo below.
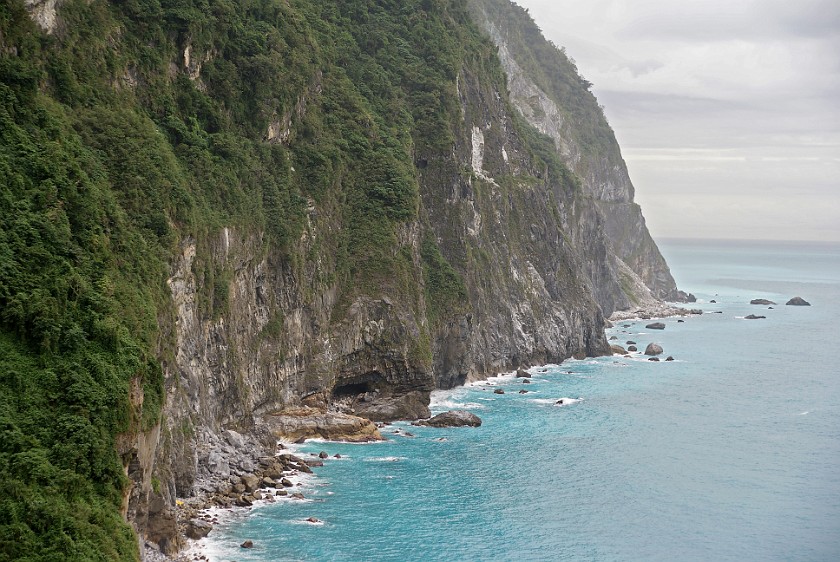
(680, 321)
(409, 406)
(268, 482)
(798, 301)
(753, 317)
(198, 529)
(522, 374)
(617, 349)
(632, 348)
(669, 358)
(713, 301)
(312, 520)
(653, 359)
(299, 424)
(761, 301)
(323, 455)
(286, 483)
(247, 544)
(452, 418)
(631, 342)
(613, 338)
(653, 349)
(498, 391)
(251, 482)
(526, 381)
(523, 391)
(656, 326)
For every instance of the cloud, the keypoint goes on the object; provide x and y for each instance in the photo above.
(735, 99)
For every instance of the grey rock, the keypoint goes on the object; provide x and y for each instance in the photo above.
(798, 301)
(656, 326)
(617, 349)
(198, 529)
(653, 349)
(632, 348)
(753, 317)
(247, 544)
(761, 301)
(452, 418)
(498, 391)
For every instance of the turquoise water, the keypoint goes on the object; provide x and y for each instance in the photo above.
(731, 452)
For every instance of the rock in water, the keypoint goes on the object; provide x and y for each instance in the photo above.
(523, 374)
(653, 349)
(761, 301)
(656, 326)
(618, 349)
(452, 418)
(247, 544)
(753, 317)
(498, 391)
(632, 348)
(198, 529)
(798, 301)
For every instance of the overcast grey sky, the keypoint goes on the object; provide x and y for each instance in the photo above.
(727, 111)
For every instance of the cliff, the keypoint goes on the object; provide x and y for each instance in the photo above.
(212, 212)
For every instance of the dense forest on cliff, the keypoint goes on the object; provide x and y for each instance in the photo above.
(133, 124)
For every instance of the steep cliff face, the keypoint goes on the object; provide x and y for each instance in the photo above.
(338, 206)
(546, 89)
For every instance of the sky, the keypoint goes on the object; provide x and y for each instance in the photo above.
(727, 111)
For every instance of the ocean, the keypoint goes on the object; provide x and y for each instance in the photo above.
(730, 452)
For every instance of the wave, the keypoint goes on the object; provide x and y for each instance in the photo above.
(564, 401)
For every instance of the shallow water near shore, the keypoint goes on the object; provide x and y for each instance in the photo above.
(730, 452)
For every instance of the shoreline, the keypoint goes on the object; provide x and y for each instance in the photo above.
(218, 497)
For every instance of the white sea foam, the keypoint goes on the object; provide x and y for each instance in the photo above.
(555, 401)
(385, 459)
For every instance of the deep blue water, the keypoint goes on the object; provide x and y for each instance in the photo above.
(731, 452)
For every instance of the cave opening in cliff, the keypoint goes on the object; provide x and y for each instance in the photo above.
(369, 382)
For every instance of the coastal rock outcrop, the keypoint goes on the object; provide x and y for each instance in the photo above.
(452, 418)
(296, 423)
(761, 301)
(653, 349)
(656, 326)
(798, 301)
(753, 317)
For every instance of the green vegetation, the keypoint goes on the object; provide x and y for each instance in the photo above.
(553, 71)
(138, 123)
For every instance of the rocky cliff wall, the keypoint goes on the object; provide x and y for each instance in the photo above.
(594, 155)
(454, 249)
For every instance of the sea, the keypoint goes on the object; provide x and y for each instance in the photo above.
(729, 452)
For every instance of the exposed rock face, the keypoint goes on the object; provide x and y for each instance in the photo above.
(453, 418)
(645, 274)
(798, 301)
(293, 424)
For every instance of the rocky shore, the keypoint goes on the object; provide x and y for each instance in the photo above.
(653, 310)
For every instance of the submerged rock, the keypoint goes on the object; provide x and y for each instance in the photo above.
(798, 301)
(669, 358)
(452, 418)
(753, 317)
